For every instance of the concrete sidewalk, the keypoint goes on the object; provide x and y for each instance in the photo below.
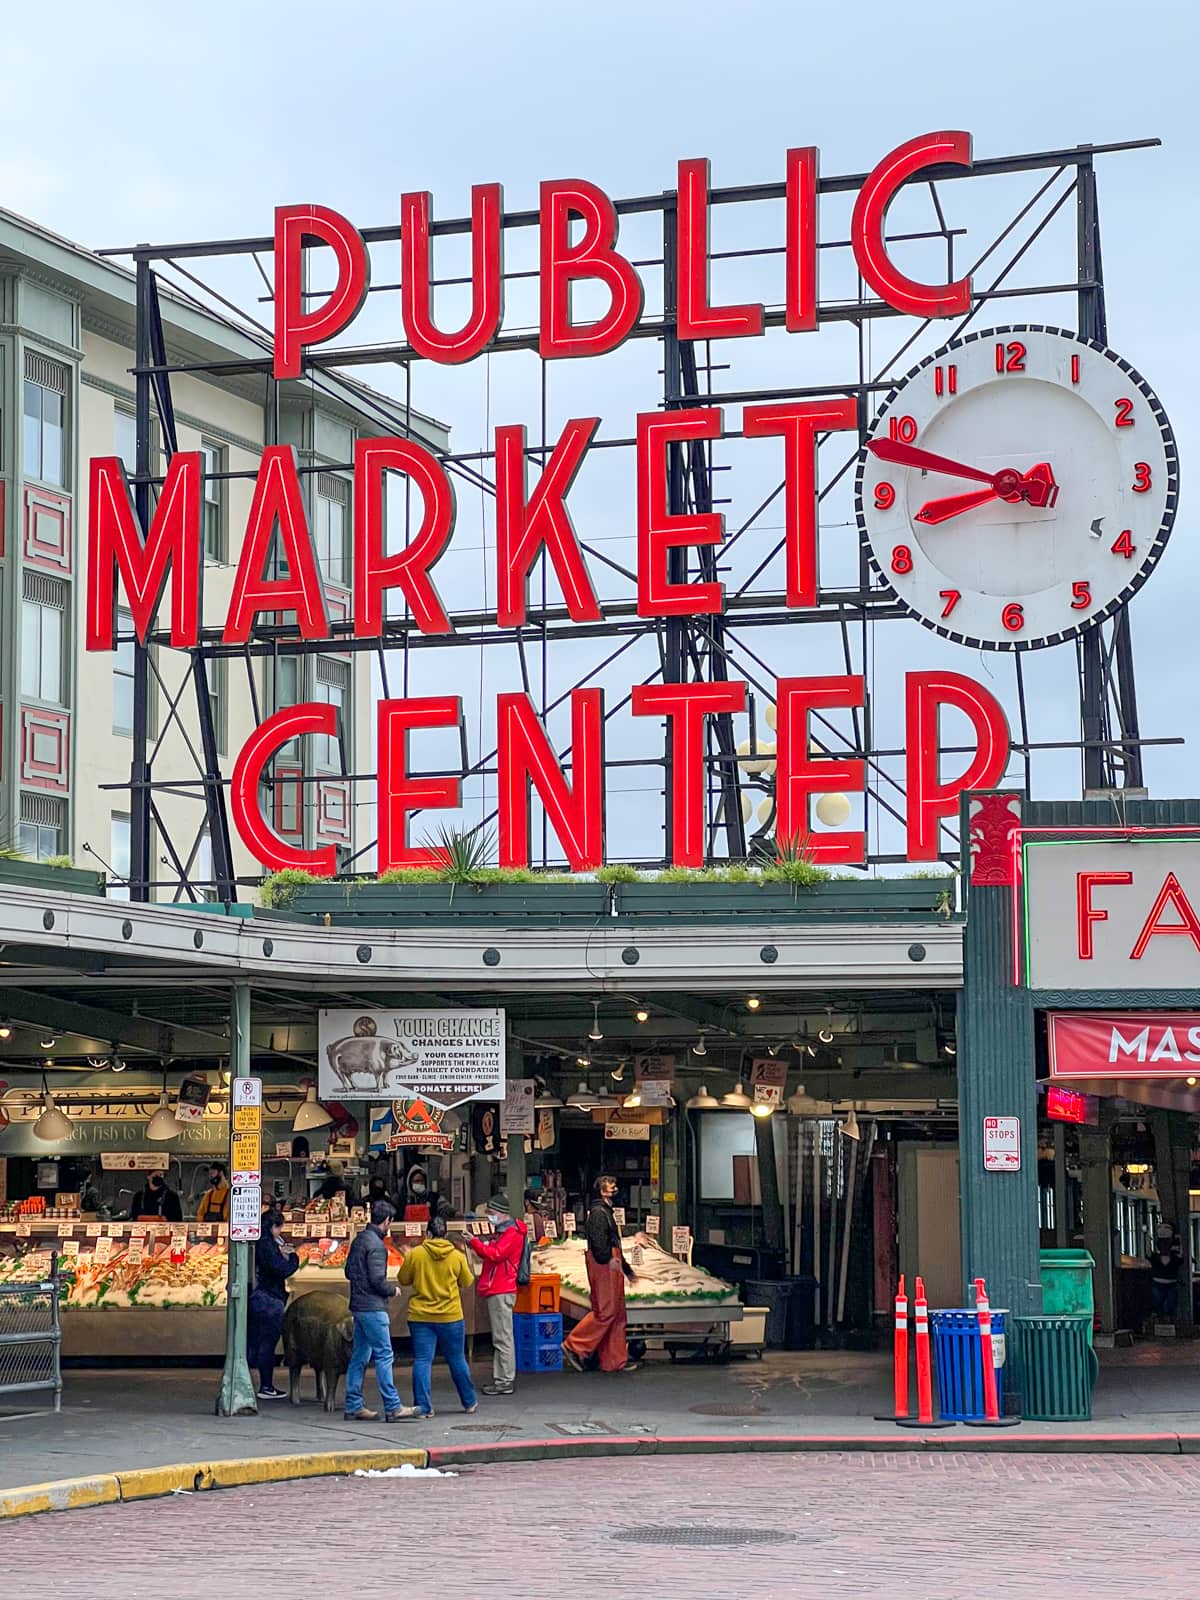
(121, 1421)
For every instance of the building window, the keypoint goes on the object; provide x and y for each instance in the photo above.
(118, 856)
(44, 437)
(287, 693)
(331, 688)
(202, 868)
(41, 830)
(213, 457)
(125, 438)
(217, 679)
(332, 529)
(123, 656)
(43, 636)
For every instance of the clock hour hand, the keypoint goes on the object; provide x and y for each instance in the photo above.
(935, 511)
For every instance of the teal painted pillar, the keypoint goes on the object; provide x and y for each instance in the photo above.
(996, 1068)
(237, 1397)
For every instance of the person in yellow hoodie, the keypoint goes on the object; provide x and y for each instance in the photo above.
(437, 1271)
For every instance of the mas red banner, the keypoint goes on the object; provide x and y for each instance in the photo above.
(1134, 1044)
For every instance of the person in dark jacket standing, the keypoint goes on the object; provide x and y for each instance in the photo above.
(370, 1291)
(602, 1331)
(156, 1200)
(497, 1288)
(1166, 1258)
(273, 1266)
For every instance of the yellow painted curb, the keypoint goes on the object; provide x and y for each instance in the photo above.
(144, 1483)
(64, 1494)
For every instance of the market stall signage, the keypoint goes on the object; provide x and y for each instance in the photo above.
(1107, 913)
(444, 1056)
(654, 1224)
(1001, 1144)
(1068, 1105)
(626, 1130)
(192, 1098)
(517, 1114)
(135, 1161)
(1134, 1044)
(768, 1078)
(681, 1241)
(416, 1125)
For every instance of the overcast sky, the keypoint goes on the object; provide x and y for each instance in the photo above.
(131, 121)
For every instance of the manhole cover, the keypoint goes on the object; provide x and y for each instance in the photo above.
(728, 1409)
(576, 1430)
(703, 1536)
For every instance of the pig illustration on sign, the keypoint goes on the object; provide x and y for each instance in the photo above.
(369, 1058)
(318, 1332)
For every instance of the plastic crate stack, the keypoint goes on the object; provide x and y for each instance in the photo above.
(538, 1337)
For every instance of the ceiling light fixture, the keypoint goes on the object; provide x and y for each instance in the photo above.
(826, 1033)
(736, 1100)
(702, 1101)
(633, 1100)
(699, 1049)
(618, 1072)
(5, 1029)
(583, 1061)
(762, 1109)
(48, 1042)
(310, 1113)
(583, 1099)
(595, 1033)
(52, 1126)
(772, 1049)
(752, 1002)
(850, 1128)
(1191, 1082)
(547, 1100)
(950, 1048)
(164, 1124)
(642, 1014)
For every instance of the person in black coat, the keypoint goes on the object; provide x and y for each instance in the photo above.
(273, 1266)
(157, 1199)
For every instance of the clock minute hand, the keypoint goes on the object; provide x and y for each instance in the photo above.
(908, 455)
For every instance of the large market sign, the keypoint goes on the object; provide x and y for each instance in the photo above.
(1100, 520)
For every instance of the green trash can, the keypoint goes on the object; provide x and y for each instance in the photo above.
(1054, 1367)
(1067, 1285)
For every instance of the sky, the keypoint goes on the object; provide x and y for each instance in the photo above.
(180, 123)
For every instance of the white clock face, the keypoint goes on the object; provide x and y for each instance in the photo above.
(1017, 487)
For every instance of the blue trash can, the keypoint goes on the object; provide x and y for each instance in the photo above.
(958, 1362)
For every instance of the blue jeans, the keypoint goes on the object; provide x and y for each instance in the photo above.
(449, 1341)
(372, 1338)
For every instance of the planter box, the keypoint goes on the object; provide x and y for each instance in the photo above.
(63, 880)
(483, 903)
(891, 899)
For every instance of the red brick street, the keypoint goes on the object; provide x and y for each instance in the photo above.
(899, 1526)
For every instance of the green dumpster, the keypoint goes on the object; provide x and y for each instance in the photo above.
(1067, 1285)
(1055, 1367)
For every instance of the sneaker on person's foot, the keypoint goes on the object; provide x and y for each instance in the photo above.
(270, 1393)
(630, 1366)
(407, 1414)
(499, 1388)
(361, 1415)
(570, 1357)
(471, 1410)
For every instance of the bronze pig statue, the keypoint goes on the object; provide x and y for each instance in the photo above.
(318, 1332)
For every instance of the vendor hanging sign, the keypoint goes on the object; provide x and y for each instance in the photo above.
(1115, 1044)
(446, 1057)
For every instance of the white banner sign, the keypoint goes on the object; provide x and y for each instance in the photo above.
(245, 1213)
(446, 1057)
(517, 1114)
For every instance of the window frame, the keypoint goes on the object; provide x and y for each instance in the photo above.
(62, 611)
(63, 481)
(217, 501)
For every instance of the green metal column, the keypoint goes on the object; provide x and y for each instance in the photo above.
(996, 1077)
(237, 1390)
(514, 1145)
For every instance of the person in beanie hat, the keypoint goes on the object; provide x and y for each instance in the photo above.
(497, 1288)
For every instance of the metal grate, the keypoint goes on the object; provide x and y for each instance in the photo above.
(332, 488)
(711, 1537)
(42, 810)
(335, 673)
(49, 374)
(727, 1408)
(43, 590)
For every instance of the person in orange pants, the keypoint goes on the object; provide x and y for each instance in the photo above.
(602, 1331)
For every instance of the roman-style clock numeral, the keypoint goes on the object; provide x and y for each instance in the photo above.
(945, 380)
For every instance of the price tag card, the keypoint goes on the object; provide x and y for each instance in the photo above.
(38, 1260)
(283, 1149)
(413, 1230)
(222, 1229)
(135, 1251)
(358, 1214)
(116, 1230)
(340, 1230)
(315, 1230)
(619, 1216)
(568, 1222)
(179, 1238)
(71, 1249)
(635, 1256)
(103, 1250)
(654, 1224)
(204, 1230)
(66, 1230)
(23, 1230)
(550, 1230)
(95, 1229)
(681, 1241)
(139, 1230)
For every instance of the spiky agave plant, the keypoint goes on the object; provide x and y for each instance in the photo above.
(464, 853)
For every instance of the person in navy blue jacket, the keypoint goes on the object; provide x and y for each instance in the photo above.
(273, 1266)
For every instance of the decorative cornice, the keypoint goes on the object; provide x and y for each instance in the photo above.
(1114, 999)
(32, 336)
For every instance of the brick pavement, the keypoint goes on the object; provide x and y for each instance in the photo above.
(903, 1527)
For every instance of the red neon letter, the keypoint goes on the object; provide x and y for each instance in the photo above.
(294, 326)
(375, 571)
(1171, 894)
(487, 276)
(592, 257)
(695, 317)
(799, 421)
(398, 794)
(524, 524)
(687, 705)
(928, 797)
(801, 256)
(1086, 912)
(270, 736)
(525, 755)
(870, 213)
(277, 499)
(798, 776)
(660, 530)
(115, 545)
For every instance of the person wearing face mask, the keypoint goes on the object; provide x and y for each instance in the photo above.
(602, 1332)
(156, 1200)
(497, 1288)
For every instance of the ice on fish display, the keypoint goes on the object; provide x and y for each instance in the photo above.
(661, 1278)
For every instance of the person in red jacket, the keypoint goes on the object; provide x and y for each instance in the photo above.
(497, 1288)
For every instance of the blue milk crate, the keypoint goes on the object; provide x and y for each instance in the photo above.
(958, 1362)
(538, 1339)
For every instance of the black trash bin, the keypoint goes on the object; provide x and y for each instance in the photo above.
(802, 1313)
(776, 1295)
